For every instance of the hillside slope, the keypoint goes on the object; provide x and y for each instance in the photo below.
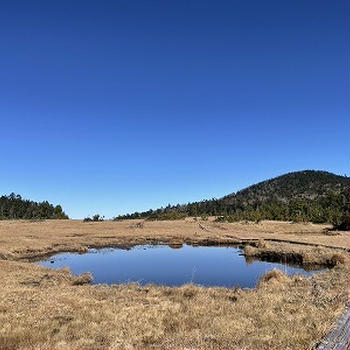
(308, 195)
(307, 184)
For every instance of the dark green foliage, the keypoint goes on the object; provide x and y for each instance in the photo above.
(168, 215)
(15, 207)
(339, 211)
(96, 217)
(309, 195)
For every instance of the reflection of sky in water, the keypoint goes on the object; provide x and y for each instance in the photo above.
(219, 266)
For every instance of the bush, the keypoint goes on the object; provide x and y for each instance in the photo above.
(227, 218)
(96, 217)
(341, 222)
(204, 217)
(221, 219)
(170, 215)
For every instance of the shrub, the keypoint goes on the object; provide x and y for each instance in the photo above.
(221, 219)
(341, 222)
(204, 217)
(96, 217)
(171, 215)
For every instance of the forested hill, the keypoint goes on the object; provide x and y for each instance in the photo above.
(309, 195)
(308, 184)
(15, 207)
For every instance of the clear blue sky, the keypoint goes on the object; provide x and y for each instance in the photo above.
(117, 106)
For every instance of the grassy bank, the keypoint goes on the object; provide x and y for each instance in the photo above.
(306, 256)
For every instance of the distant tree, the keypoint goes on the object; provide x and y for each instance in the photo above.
(96, 217)
(15, 207)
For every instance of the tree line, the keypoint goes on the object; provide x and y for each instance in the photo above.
(334, 208)
(14, 206)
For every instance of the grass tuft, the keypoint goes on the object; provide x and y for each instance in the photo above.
(338, 259)
(273, 275)
(84, 278)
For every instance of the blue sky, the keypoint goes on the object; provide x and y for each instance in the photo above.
(116, 106)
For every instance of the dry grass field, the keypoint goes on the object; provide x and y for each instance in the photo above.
(41, 308)
(20, 239)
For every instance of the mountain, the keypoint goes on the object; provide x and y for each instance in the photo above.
(307, 184)
(14, 206)
(307, 195)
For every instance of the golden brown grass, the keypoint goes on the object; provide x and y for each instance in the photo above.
(42, 308)
(27, 239)
(308, 256)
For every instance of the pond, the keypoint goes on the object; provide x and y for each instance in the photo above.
(161, 264)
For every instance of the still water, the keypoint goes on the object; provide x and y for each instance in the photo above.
(161, 264)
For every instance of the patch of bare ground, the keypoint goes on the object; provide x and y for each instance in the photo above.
(42, 308)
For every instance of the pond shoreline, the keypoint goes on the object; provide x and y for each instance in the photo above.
(286, 254)
(201, 265)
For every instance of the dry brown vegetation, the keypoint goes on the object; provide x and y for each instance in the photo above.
(305, 255)
(20, 239)
(42, 308)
